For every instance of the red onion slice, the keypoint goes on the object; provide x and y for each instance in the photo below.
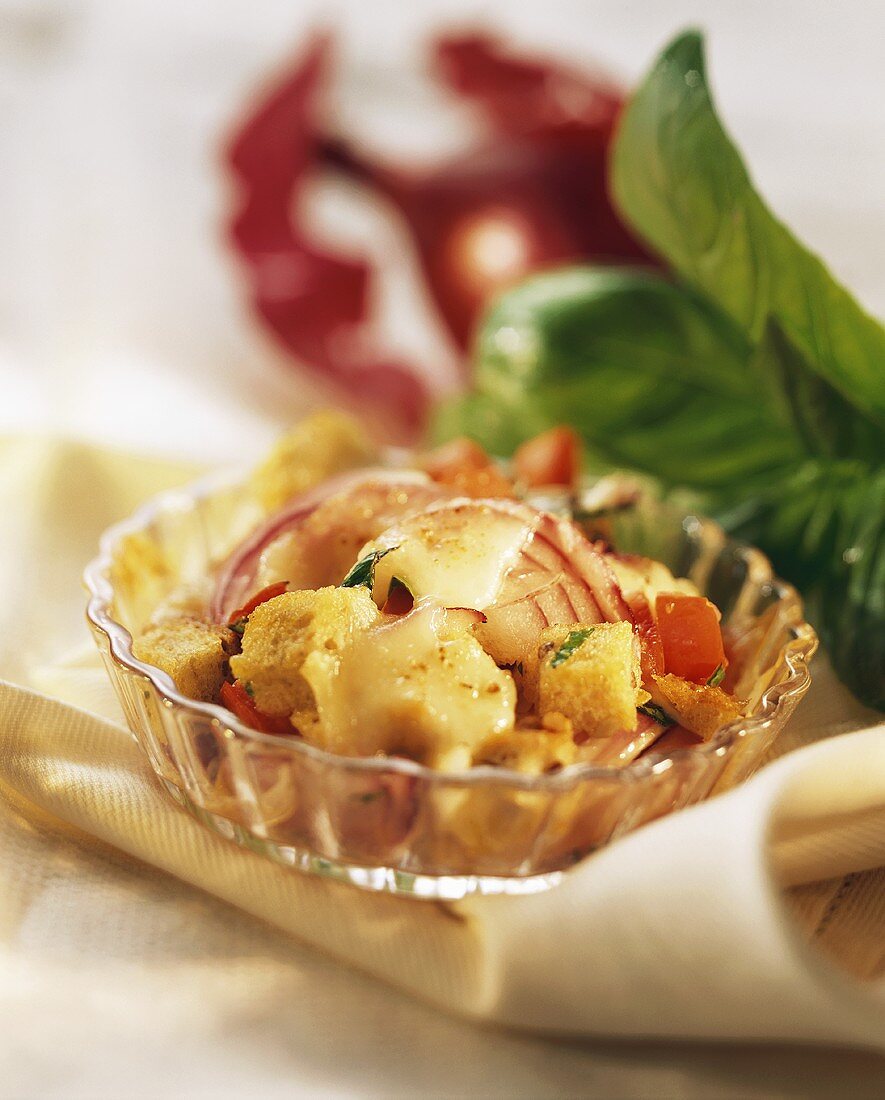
(559, 578)
(350, 495)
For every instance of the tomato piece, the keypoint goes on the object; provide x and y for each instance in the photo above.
(551, 458)
(458, 454)
(462, 465)
(481, 484)
(238, 701)
(268, 593)
(400, 600)
(690, 636)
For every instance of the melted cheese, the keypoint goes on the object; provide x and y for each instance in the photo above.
(279, 561)
(406, 688)
(457, 554)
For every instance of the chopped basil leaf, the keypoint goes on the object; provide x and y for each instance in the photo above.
(248, 688)
(574, 641)
(650, 710)
(239, 626)
(717, 677)
(362, 575)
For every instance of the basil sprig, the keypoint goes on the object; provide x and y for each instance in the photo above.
(657, 714)
(716, 677)
(572, 642)
(362, 575)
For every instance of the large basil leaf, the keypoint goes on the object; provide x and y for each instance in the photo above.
(681, 184)
(755, 378)
(651, 377)
(824, 528)
(827, 425)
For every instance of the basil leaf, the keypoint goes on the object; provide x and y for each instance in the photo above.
(657, 714)
(651, 377)
(755, 380)
(824, 528)
(825, 423)
(573, 642)
(362, 575)
(680, 182)
(485, 418)
(717, 676)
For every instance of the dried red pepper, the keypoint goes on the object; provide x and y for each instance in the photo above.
(531, 193)
(315, 303)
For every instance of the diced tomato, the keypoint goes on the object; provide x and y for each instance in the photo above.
(456, 455)
(400, 600)
(551, 458)
(259, 598)
(481, 484)
(237, 700)
(690, 635)
(652, 650)
(464, 466)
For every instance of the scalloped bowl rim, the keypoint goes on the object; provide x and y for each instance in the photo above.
(96, 577)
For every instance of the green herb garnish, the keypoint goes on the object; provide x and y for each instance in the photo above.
(362, 575)
(657, 714)
(717, 677)
(368, 796)
(574, 641)
(249, 689)
(238, 626)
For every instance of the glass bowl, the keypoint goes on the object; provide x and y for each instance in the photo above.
(391, 824)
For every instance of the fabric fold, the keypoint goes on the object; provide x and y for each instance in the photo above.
(676, 930)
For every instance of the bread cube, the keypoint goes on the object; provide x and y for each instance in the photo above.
(281, 633)
(194, 653)
(533, 751)
(324, 444)
(590, 674)
(698, 707)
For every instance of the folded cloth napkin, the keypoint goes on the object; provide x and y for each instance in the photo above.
(757, 915)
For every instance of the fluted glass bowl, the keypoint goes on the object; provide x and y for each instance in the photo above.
(390, 824)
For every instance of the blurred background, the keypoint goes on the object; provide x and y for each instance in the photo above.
(137, 306)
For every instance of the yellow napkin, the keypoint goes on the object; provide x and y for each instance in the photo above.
(760, 914)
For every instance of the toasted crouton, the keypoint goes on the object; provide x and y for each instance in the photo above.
(535, 751)
(195, 654)
(324, 444)
(590, 675)
(281, 633)
(698, 707)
